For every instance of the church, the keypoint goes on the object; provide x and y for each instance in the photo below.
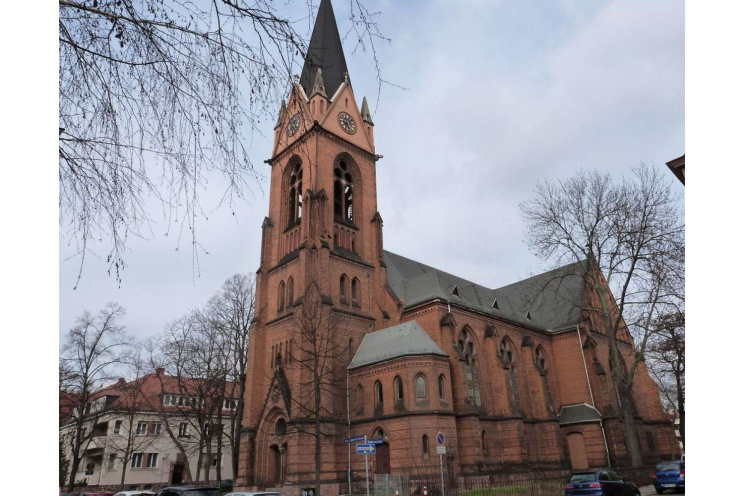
(352, 341)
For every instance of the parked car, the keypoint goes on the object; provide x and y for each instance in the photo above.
(188, 491)
(600, 483)
(135, 492)
(254, 494)
(669, 475)
(99, 493)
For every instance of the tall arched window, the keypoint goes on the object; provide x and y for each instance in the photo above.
(355, 291)
(290, 292)
(420, 387)
(467, 350)
(509, 362)
(280, 297)
(425, 446)
(398, 386)
(360, 399)
(441, 386)
(343, 282)
(343, 192)
(295, 194)
(541, 362)
(378, 395)
(484, 443)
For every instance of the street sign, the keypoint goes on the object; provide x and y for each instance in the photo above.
(365, 449)
(375, 441)
(353, 439)
(441, 450)
(440, 438)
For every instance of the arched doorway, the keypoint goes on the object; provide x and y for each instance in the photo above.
(275, 465)
(577, 450)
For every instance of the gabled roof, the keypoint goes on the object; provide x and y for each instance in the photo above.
(324, 52)
(552, 299)
(403, 340)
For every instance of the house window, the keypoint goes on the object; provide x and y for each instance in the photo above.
(441, 387)
(141, 428)
(112, 461)
(398, 383)
(183, 429)
(355, 291)
(425, 446)
(378, 394)
(484, 443)
(152, 460)
(420, 387)
(290, 292)
(467, 350)
(280, 297)
(508, 361)
(137, 460)
(89, 468)
(342, 284)
(117, 426)
(360, 399)
(155, 428)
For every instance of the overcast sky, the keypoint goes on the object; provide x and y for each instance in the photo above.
(498, 96)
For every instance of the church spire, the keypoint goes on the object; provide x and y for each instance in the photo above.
(324, 52)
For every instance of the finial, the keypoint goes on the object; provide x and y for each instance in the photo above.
(318, 86)
(366, 116)
(295, 79)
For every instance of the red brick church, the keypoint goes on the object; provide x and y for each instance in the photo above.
(515, 377)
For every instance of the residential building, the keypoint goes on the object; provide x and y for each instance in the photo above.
(514, 378)
(150, 431)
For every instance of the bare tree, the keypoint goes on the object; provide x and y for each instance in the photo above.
(629, 237)
(230, 312)
(92, 352)
(665, 358)
(157, 96)
(318, 352)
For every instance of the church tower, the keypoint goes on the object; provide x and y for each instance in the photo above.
(321, 271)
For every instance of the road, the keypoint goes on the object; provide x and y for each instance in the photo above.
(649, 491)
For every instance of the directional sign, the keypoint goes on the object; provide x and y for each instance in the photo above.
(353, 439)
(365, 449)
(440, 438)
(441, 450)
(375, 441)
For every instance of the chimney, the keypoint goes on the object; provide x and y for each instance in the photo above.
(121, 381)
(159, 371)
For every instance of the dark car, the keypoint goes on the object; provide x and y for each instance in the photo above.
(188, 491)
(669, 475)
(600, 483)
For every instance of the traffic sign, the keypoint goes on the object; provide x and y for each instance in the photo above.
(375, 441)
(441, 450)
(440, 438)
(353, 439)
(365, 449)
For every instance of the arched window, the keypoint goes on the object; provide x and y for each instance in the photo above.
(295, 194)
(441, 387)
(280, 297)
(290, 292)
(342, 284)
(360, 399)
(355, 291)
(378, 395)
(280, 429)
(398, 383)
(343, 192)
(484, 443)
(420, 387)
(467, 349)
(425, 445)
(508, 361)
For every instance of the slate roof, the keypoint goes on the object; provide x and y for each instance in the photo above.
(403, 340)
(552, 299)
(577, 414)
(324, 51)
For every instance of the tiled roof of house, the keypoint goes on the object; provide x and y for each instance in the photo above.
(551, 300)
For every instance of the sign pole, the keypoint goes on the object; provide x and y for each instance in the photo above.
(441, 469)
(366, 465)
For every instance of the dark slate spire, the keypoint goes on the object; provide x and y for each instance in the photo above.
(324, 52)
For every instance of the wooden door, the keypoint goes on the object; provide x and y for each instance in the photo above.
(382, 459)
(577, 451)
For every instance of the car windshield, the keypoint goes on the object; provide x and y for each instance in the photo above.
(583, 477)
(667, 467)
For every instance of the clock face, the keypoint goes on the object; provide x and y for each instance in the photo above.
(347, 122)
(294, 125)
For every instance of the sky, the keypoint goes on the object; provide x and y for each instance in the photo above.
(490, 98)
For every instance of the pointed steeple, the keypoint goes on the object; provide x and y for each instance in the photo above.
(282, 111)
(318, 86)
(324, 52)
(366, 116)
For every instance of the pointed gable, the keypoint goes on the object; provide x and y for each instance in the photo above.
(324, 52)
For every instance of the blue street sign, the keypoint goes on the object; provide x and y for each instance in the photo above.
(353, 439)
(375, 441)
(440, 439)
(365, 449)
